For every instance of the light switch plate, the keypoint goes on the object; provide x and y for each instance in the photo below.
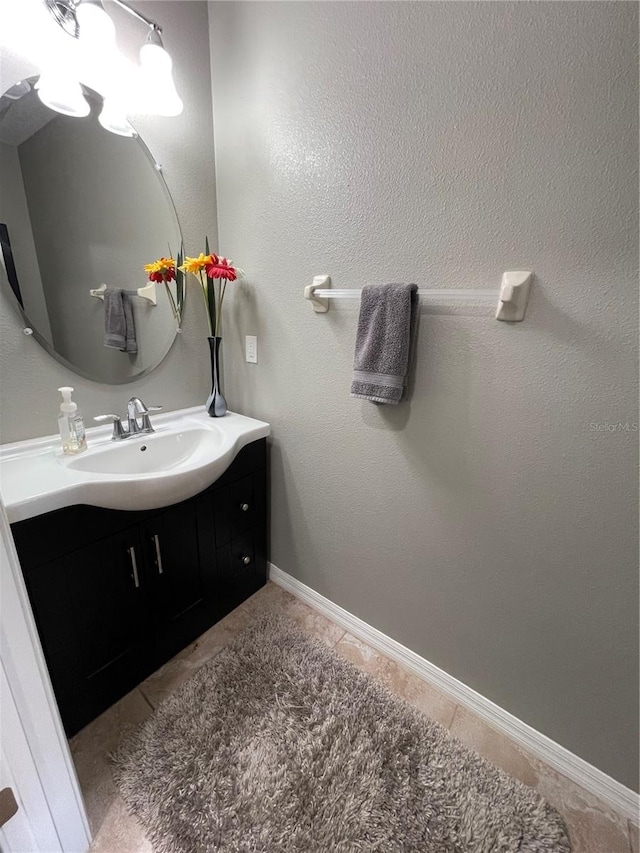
(251, 349)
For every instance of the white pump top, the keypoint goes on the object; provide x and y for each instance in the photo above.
(67, 406)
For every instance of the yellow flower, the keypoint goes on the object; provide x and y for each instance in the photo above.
(160, 264)
(194, 265)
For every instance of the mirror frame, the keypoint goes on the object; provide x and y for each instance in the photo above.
(93, 98)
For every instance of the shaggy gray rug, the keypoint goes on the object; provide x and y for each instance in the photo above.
(280, 746)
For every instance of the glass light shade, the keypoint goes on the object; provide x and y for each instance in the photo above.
(97, 46)
(63, 94)
(113, 119)
(158, 91)
(94, 24)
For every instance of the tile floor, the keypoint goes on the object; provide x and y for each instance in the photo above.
(594, 826)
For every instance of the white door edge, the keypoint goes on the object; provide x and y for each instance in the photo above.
(27, 675)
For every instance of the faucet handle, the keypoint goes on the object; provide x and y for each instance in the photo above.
(146, 422)
(118, 430)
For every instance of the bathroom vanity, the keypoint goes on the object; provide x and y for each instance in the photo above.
(116, 593)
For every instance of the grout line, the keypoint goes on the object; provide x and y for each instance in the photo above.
(340, 638)
(145, 697)
(455, 711)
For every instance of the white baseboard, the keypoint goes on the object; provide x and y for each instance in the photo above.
(617, 795)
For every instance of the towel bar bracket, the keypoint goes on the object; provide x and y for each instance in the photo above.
(320, 282)
(514, 295)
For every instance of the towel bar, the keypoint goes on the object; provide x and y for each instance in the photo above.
(512, 297)
(147, 292)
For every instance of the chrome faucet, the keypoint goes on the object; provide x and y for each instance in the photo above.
(135, 409)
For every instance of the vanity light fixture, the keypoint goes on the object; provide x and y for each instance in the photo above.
(147, 88)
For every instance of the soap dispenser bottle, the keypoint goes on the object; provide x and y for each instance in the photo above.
(71, 424)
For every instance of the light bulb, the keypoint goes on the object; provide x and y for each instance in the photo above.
(62, 94)
(159, 94)
(113, 119)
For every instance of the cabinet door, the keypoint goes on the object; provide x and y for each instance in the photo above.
(182, 588)
(92, 614)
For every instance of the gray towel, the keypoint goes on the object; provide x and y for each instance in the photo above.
(119, 328)
(131, 344)
(383, 342)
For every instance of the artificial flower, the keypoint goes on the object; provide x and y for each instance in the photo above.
(221, 268)
(163, 271)
(160, 264)
(209, 268)
(194, 265)
(163, 275)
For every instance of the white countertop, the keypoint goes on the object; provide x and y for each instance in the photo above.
(36, 477)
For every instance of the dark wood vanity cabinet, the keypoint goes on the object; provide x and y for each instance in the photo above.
(116, 594)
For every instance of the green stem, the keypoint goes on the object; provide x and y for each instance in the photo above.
(174, 308)
(217, 293)
(206, 303)
(223, 287)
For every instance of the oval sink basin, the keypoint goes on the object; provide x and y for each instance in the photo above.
(149, 454)
(186, 454)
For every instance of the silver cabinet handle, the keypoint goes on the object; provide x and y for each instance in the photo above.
(156, 542)
(244, 507)
(134, 566)
(246, 560)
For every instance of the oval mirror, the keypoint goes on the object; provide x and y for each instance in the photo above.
(82, 208)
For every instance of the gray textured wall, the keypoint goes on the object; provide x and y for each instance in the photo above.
(184, 147)
(486, 524)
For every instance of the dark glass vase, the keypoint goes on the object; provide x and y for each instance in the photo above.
(216, 404)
